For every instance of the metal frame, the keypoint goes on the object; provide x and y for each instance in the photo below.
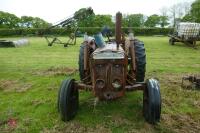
(194, 80)
(55, 40)
(190, 42)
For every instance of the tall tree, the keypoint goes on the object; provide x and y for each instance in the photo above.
(133, 20)
(33, 22)
(178, 11)
(188, 18)
(152, 21)
(102, 20)
(164, 17)
(40, 23)
(8, 20)
(84, 17)
(195, 11)
(27, 21)
(164, 21)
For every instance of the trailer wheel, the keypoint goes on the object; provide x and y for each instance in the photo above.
(49, 44)
(65, 45)
(68, 100)
(152, 101)
(171, 41)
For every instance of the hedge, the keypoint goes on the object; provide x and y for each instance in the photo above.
(89, 30)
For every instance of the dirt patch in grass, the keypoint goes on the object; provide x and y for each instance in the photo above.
(117, 120)
(181, 123)
(179, 105)
(75, 127)
(38, 102)
(14, 85)
(55, 71)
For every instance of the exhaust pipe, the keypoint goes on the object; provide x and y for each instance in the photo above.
(118, 30)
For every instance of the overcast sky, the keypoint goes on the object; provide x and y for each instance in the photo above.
(55, 10)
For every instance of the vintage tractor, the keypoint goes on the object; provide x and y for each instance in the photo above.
(109, 70)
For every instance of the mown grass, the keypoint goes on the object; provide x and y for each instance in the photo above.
(29, 83)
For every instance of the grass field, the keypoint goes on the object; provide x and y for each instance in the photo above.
(30, 77)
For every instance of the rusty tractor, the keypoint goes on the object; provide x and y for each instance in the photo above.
(109, 70)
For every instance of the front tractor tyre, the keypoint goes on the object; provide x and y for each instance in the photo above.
(152, 101)
(68, 100)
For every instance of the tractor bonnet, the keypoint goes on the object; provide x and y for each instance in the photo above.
(109, 51)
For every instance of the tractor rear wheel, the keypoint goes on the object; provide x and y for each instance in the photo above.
(81, 61)
(140, 61)
(68, 100)
(152, 101)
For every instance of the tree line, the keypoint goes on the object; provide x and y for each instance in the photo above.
(11, 21)
(168, 15)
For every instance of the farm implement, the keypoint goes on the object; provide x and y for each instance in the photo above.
(194, 81)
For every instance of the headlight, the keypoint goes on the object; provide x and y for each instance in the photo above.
(117, 84)
(100, 84)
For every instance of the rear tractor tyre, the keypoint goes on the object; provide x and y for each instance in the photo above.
(81, 61)
(140, 56)
(68, 100)
(152, 101)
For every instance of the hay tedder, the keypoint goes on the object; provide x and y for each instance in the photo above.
(67, 26)
(187, 33)
(109, 70)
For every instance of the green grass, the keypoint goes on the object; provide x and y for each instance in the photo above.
(30, 95)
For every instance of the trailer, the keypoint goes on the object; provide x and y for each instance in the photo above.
(185, 32)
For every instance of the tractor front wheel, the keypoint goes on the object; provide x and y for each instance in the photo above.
(152, 101)
(68, 100)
